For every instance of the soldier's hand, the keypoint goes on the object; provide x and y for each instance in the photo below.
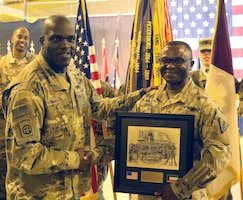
(84, 162)
(88, 155)
(166, 193)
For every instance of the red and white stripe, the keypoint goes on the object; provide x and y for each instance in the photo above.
(105, 71)
(94, 70)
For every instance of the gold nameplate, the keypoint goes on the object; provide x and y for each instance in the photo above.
(152, 177)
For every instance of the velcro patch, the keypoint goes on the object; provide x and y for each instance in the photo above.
(20, 111)
(223, 125)
(26, 128)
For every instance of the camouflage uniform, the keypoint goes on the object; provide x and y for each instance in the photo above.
(48, 118)
(211, 142)
(9, 67)
(107, 91)
(199, 78)
(240, 92)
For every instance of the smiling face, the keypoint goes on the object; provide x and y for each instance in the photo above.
(176, 73)
(58, 42)
(20, 40)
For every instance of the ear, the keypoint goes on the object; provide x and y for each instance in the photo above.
(42, 38)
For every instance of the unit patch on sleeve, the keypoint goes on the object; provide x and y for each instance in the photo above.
(223, 125)
(26, 128)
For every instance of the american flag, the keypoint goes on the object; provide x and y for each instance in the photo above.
(85, 57)
(132, 175)
(85, 60)
(192, 20)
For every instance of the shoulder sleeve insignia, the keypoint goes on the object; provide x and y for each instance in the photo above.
(26, 128)
(223, 125)
(20, 111)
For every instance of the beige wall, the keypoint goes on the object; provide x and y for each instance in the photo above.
(111, 7)
(32, 10)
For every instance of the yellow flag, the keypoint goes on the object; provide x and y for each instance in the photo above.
(151, 31)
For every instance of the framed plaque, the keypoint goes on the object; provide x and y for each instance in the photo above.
(151, 150)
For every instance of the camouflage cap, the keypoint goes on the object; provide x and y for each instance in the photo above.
(204, 43)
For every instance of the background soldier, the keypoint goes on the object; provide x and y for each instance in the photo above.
(10, 65)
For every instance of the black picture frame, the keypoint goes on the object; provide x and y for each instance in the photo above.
(151, 150)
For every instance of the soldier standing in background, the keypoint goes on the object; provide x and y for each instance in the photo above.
(199, 76)
(10, 65)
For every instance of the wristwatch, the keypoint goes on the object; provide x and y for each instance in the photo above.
(142, 92)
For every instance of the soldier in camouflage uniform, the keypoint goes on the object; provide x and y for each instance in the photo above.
(10, 65)
(211, 135)
(200, 76)
(48, 108)
(107, 91)
(204, 51)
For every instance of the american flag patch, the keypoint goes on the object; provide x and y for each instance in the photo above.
(132, 175)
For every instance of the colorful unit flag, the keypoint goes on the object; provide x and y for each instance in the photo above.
(105, 69)
(151, 31)
(192, 20)
(220, 86)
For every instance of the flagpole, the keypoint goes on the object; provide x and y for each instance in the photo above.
(116, 76)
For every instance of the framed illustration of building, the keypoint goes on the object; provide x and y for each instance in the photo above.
(151, 150)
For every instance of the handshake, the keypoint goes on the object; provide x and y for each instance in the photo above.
(86, 158)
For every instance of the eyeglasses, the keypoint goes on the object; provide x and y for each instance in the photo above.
(175, 61)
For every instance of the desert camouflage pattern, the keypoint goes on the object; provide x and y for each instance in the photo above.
(199, 78)
(211, 136)
(240, 93)
(48, 116)
(9, 67)
(107, 92)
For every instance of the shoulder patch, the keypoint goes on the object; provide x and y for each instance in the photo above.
(20, 111)
(26, 128)
(223, 125)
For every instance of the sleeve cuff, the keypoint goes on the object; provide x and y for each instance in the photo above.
(181, 193)
(73, 160)
(96, 158)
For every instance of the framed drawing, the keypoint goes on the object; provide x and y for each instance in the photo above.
(151, 150)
